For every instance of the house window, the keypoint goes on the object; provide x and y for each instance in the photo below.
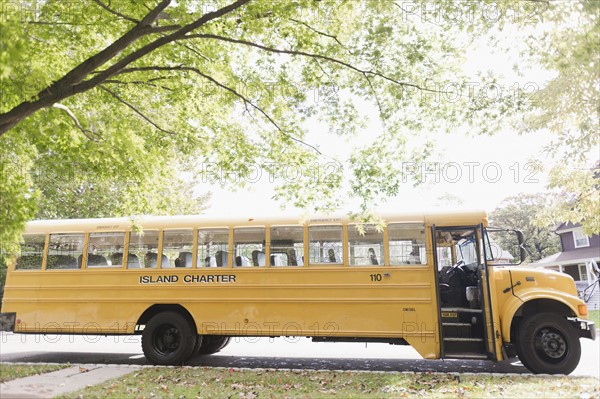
(573, 271)
(582, 272)
(580, 239)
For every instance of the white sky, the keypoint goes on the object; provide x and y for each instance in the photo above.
(480, 171)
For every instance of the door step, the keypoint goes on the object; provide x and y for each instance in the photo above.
(457, 339)
(457, 330)
(456, 324)
(461, 310)
(458, 346)
(478, 356)
(463, 333)
(462, 322)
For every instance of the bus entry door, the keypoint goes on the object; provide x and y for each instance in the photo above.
(465, 310)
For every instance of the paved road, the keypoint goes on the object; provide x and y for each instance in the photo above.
(293, 353)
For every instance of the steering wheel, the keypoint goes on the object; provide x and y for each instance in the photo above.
(455, 266)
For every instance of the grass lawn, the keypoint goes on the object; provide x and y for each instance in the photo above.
(186, 382)
(13, 371)
(595, 317)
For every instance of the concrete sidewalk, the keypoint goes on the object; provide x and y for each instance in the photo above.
(62, 381)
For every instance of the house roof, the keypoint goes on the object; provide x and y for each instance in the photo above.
(566, 226)
(575, 256)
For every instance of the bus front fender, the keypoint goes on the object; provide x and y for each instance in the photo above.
(555, 300)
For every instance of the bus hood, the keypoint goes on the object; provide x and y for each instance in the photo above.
(523, 279)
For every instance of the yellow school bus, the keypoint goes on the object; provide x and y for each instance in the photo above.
(438, 282)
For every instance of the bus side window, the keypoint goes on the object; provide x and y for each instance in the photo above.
(144, 246)
(258, 258)
(287, 245)
(213, 247)
(407, 244)
(365, 249)
(177, 248)
(102, 247)
(325, 245)
(151, 260)
(32, 252)
(249, 246)
(93, 260)
(184, 259)
(133, 261)
(221, 259)
(64, 250)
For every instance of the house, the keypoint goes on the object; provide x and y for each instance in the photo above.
(579, 258)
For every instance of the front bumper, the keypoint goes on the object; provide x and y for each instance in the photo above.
(585, 328)
(7, 321)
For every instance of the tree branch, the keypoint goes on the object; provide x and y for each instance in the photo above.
(193, 50)
(236, 93)
(118, 14)
(224, 87)
(67, 85)
(376, 97)
(179, 34)
(318, 31)
(137, 111)
(85, 132)
(309, 55)
(140, 82)
(166, 28)
(72, 83)
(142, 28)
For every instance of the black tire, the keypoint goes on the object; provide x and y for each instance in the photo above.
(198, 345)
(547, 344)
(168, 339)
(212, 344)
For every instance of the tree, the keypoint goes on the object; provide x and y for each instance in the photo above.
(79, 195)
(523, 212)
(569, 108)
(125, 88)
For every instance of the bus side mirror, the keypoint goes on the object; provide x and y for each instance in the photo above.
(505, 247)
(522, 250)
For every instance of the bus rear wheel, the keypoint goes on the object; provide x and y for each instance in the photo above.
(547, 343)
(168, 339)
(211, 344)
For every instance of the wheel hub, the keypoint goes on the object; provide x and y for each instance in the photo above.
(167, 340)
(553, 344)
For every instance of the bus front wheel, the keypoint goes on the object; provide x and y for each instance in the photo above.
(168, 339)
(547, 343)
